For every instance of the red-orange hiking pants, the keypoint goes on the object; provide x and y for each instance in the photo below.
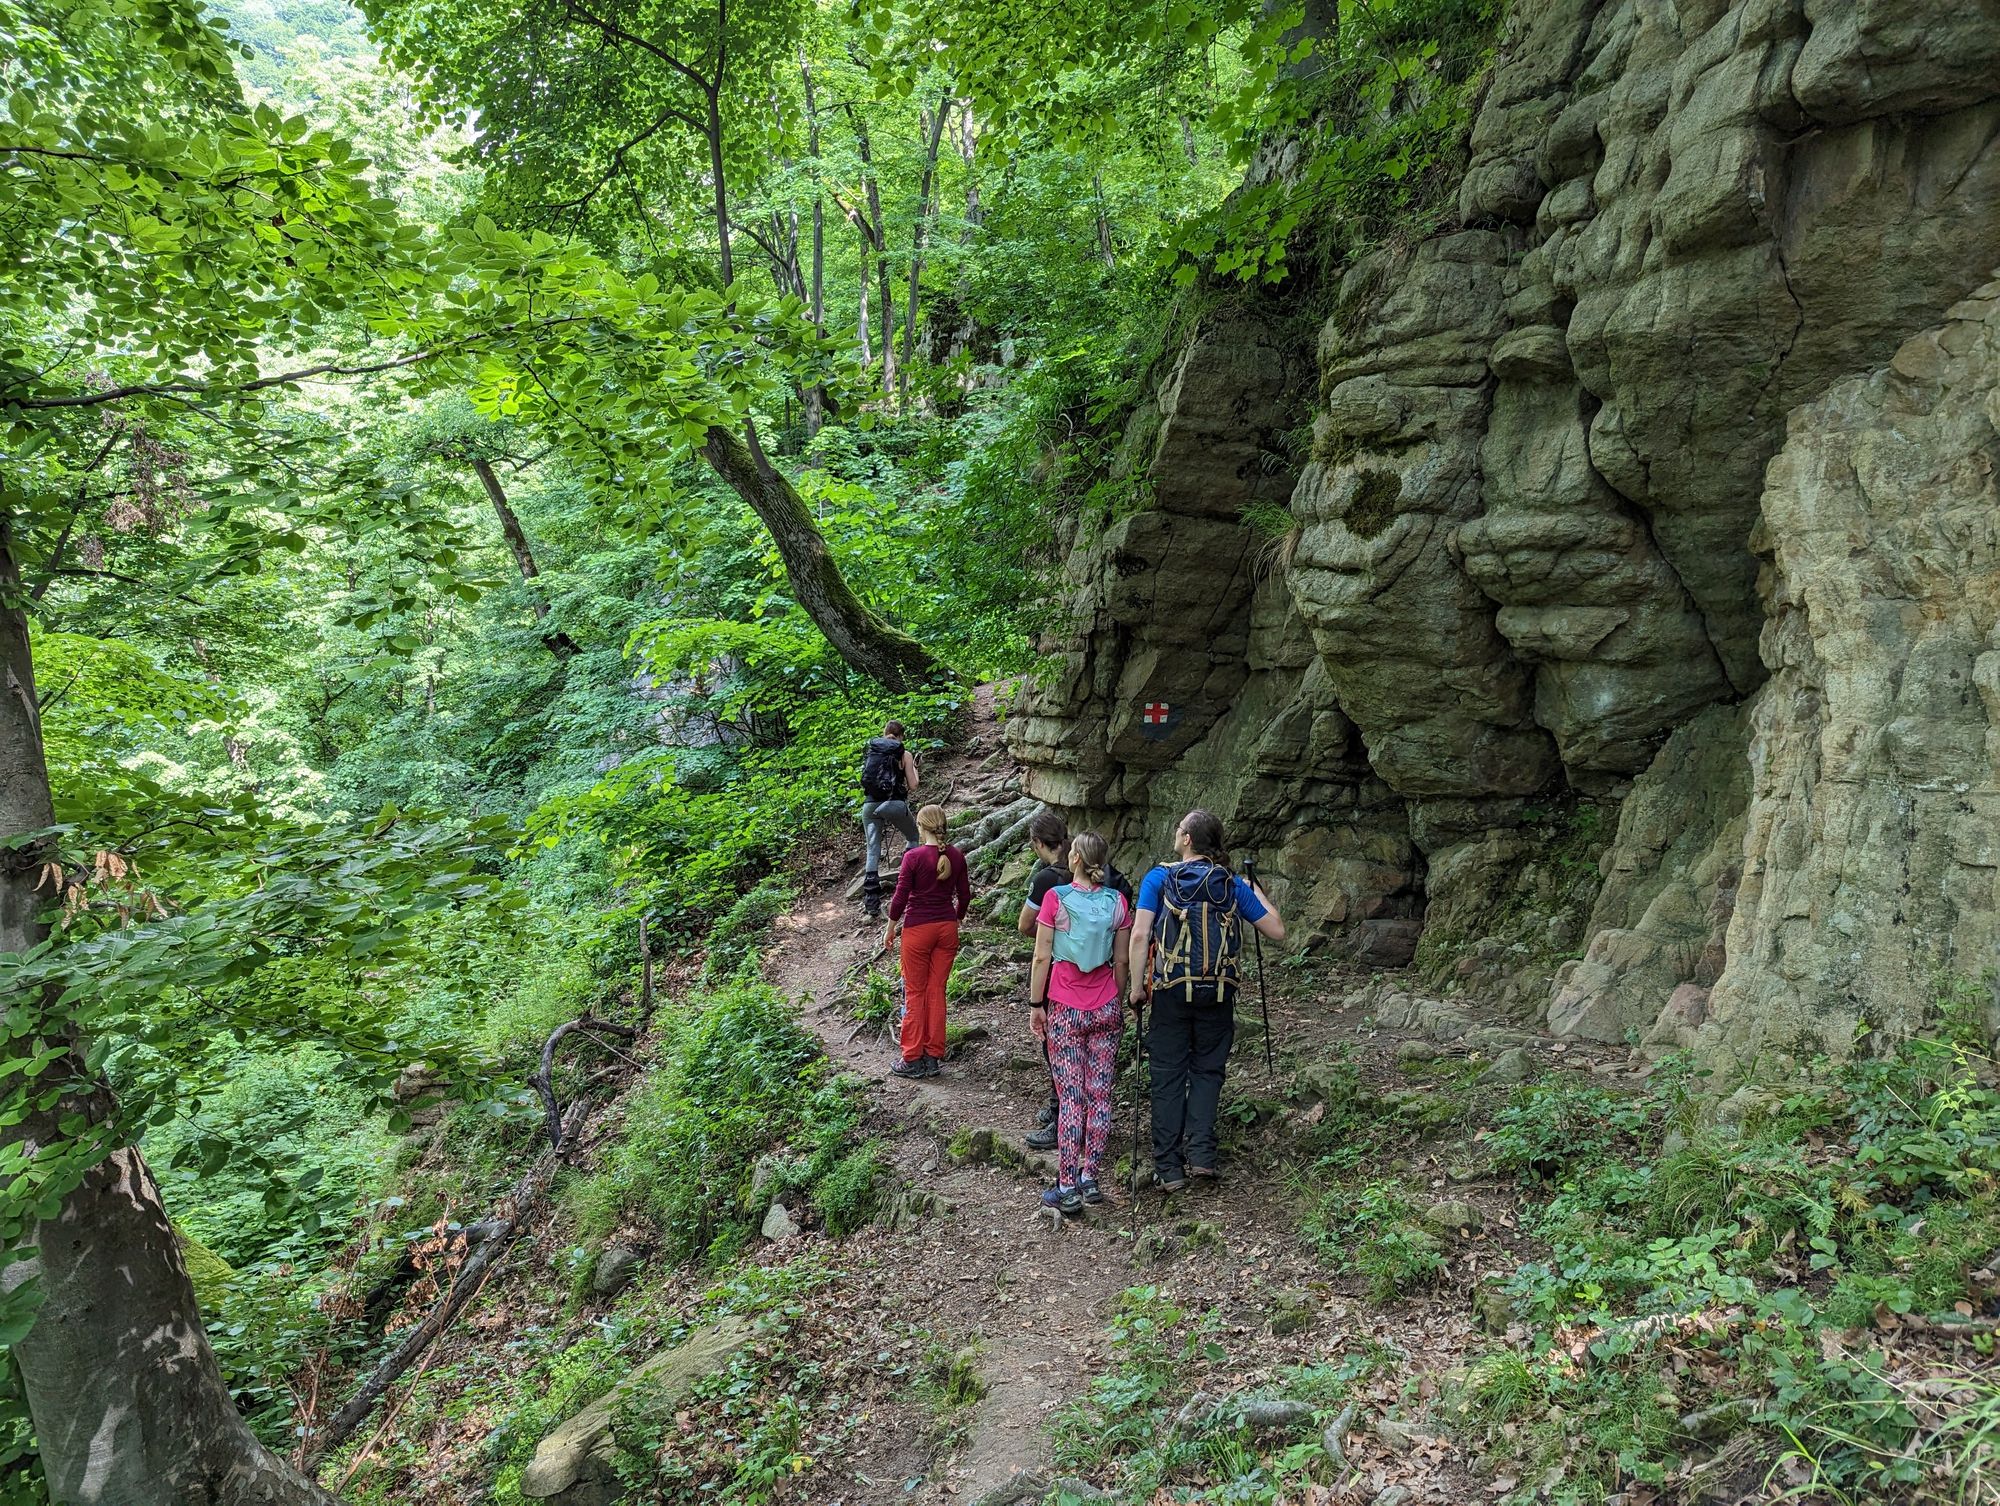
(928, 952)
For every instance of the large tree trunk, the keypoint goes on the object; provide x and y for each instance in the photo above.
(556, 640)
(1105, 246)
(1320, 22)
(919, 238)
(882, 652)
(128, 1403)
(968, 146)
(881, 242)
(816, 397)
(861, 326)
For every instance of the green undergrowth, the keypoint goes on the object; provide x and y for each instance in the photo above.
(1142, 1431)
(1356, 1212)
(742, 1087)
(1374, 1230)
(734, 939)
(1781, 1280)
(692, 827)
(749, 1429)
(751, 1409)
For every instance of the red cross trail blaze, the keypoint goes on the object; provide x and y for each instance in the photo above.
(1157, 719)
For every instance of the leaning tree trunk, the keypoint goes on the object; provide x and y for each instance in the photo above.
(860, 637)
(128, 1402)
(555, 640)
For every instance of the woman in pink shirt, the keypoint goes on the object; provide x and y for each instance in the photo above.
(1078, 977)
(932, 895)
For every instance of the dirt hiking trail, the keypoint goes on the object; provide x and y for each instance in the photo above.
(973, 1264)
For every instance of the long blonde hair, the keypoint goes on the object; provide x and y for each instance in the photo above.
(932, 827)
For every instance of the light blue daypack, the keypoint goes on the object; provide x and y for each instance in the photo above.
(1093, 921)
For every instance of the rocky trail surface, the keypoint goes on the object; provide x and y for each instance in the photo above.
(969, 1260)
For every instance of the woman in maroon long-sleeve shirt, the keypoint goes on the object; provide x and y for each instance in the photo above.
(932, 895)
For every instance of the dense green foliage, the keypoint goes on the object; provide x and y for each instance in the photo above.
(1760, 1266)
(741, 1083)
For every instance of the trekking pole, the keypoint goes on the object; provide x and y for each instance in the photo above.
(1263, 999)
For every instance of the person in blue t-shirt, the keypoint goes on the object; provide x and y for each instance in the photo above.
(1186, 934)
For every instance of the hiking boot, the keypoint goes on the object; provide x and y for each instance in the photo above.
(1065, 1200)
(933, 1066)
(872, 909)
(921, 1067)
(1203, 1173)
(1089, 1191)
(1169, 1181)
(1043, 1138)
(1047, 1118)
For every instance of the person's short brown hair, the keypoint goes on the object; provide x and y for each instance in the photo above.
(893, 729)
(1049, 829)
(1204, 833)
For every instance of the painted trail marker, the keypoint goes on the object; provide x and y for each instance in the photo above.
(1158, 720)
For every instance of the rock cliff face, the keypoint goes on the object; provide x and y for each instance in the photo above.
(1631, 656)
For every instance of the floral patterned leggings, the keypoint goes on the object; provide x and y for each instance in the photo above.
(1083, 1054)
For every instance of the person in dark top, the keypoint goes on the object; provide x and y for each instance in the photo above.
(1048, 839)
(933, 892)
(889, 777)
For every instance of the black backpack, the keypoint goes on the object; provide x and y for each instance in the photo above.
(1123, 885)
(1200, 933)
(882, 769)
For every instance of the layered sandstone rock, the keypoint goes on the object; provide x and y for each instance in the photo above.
(1495, 686)
(1871, 865)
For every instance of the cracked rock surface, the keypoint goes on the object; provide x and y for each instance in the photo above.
(1549, 688)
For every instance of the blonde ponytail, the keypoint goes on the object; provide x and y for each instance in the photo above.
(933, 828)
(1089, 857)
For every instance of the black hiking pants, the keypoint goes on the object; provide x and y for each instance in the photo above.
(1189, 1046)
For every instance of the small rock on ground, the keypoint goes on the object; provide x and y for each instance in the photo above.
(1450, 1215)
(615, 1268)
(1292, 1310)
(1022, 1486)
(1511, 1065)
(1399, 1436)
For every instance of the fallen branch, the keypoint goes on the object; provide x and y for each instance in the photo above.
(543, 1078)
(534, 1182)
(1965, 1327)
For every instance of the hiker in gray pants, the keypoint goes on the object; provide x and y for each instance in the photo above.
(888, 778)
